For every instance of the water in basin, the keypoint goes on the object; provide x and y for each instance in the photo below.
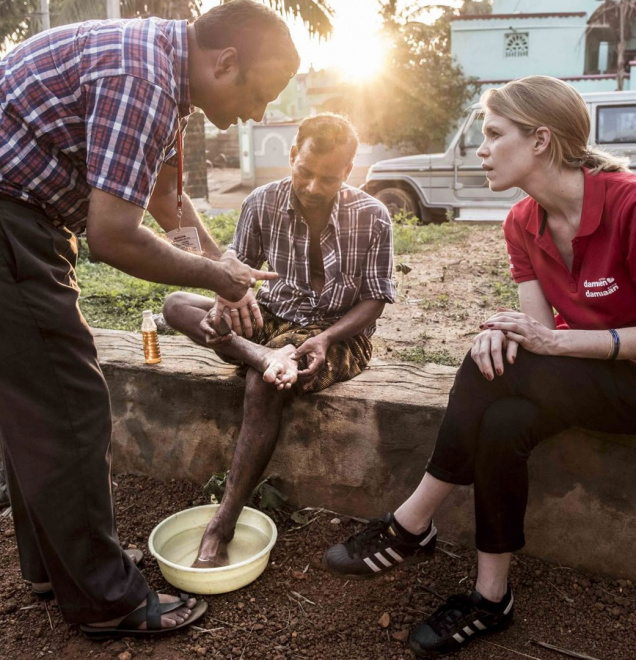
(182, 548)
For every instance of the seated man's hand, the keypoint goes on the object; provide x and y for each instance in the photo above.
(211, 326)
(240, 277)
(241, 313)
(315, 349)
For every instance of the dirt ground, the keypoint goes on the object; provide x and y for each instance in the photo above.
(450, 290)
(297, 610)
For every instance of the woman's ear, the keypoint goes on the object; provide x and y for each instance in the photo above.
(542, 137)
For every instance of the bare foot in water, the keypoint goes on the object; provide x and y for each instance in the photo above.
(221, 558)
(212, 551)
(281, 370)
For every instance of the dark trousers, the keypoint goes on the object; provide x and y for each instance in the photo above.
(491, 427)
(55, 426)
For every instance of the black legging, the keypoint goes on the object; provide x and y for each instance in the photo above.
(491, 427)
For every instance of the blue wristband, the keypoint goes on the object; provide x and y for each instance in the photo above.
(616, 343)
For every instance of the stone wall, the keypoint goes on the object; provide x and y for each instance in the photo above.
(361, 447)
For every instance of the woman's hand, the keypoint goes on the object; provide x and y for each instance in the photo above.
(488, 350)
(524, 330)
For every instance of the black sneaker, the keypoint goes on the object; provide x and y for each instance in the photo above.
(462, 618)
(376, 549)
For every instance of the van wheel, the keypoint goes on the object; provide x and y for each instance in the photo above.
(399, 200)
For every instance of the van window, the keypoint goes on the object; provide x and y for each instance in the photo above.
(473, 137)
(616, 124)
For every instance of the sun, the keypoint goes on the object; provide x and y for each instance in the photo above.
(359, 56)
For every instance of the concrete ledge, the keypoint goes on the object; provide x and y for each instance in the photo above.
(361, 447)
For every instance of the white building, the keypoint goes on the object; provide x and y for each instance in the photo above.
(569, 39)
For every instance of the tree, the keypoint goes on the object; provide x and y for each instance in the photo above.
(475, 7)
(20, 18)
(315, 14)
(416, 102)
(617, 15)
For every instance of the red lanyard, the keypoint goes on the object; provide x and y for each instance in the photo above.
(179, 175)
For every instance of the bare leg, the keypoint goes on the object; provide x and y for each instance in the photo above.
(263, 404)
(492, 575)
(262, 413)
(416, 512)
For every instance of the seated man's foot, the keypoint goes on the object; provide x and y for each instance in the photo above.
(377, 548)
(218, 559)
(280, 369)
(461, 618)
(213, 548)
(157, 613)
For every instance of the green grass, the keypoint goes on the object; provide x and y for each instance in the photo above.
(411, 238)
(111, 299)
(420, 355)
(503, 287)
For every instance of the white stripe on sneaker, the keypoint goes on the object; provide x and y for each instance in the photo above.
(391, 551)
(458, 638)
(479, 625)
(380, 557)
(372, 566)
(512, 600)
(430, 536)
(468, 630)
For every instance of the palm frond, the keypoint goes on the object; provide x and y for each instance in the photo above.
(315, 14)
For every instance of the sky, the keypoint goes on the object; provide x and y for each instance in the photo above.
(355, 48)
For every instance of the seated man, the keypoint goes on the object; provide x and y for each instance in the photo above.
(331, 246)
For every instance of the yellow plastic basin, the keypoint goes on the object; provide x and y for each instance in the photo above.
(175, 541)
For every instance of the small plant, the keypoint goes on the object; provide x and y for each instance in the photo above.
(264, 497)
(403, 269)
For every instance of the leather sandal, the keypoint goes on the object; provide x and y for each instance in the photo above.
(151, 615)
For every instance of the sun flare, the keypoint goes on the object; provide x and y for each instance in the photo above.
(358, 56)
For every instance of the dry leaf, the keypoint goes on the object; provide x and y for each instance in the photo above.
(299, 575)
(401, 635)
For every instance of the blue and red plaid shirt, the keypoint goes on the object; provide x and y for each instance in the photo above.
(356, 246)
(91, 105)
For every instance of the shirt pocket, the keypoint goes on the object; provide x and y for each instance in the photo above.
(345, 290)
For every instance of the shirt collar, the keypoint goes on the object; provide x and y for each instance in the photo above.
(293, 205)
(593, 202)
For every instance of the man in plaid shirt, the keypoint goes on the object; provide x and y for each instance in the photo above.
(88, 119)
(331, 247)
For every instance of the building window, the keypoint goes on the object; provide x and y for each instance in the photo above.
(516, 44)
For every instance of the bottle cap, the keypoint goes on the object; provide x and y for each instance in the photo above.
(147, 312)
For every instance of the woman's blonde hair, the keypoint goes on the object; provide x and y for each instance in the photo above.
(537, 101)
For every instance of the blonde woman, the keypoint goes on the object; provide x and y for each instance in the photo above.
(529, 374)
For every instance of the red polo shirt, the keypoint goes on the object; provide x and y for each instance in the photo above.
(600, 292)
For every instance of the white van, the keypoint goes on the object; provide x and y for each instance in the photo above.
(429, 185)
